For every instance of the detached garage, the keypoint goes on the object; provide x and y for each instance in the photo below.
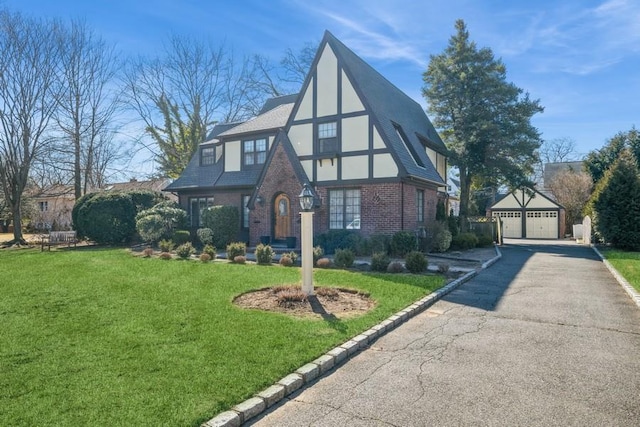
(529, 214)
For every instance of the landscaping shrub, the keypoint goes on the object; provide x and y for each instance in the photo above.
(453, 223)
(205, 236)
(286, 261)
(147, 252)
(224, 221)
(402, 243)
(443, 268)
(264, 254)
(338, 239)
(185, 250)
(290, 295)
(166, 245)
(160, 221)
(205, 257)
(395, 267)
(165, 255)
(344, 258)
(180, 237)
(318, 253)
(485, 241)
(236, 249)
(240, 259)
(439, 237)
(210, 250)
(380, 261)
(150, 228)
(327, 292)
(146, 199)
(323, 263)
(293, 255)
(464, 241)
(105, 218)
(379, 243)
(416, 262)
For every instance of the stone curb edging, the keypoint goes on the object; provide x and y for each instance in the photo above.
(635, 296)
(308, 373)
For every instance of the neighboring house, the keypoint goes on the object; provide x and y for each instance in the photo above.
(158, 185)
(373, 158)
(529, 214)
(53, 206)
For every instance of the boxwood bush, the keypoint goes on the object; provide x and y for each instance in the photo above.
(402, 243)
(225, 223)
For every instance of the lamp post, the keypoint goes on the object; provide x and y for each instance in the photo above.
(306, 244)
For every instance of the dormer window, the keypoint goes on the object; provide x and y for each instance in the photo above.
(327, 137)
(207, 156)
(254, 151)
(405, 140)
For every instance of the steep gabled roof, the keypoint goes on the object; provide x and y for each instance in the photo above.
(281, 140)
(272, 103)
(200, 176)
(274, 118)
(391, 109)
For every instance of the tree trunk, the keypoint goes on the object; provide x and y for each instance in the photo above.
(18, 239)
(465, 184)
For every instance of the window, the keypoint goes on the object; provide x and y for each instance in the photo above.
(327, 137)
(245, 211)
(405, 140)
(420, 205)
(44, 206)
(197, 207)
(255, 151)
(344, 209)
(207, 156)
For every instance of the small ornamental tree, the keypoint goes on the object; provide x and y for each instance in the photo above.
(160, 221)
(617, 204)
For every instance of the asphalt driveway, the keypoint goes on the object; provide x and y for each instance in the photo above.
(544, 337)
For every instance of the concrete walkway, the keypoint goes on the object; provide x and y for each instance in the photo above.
(544, 337)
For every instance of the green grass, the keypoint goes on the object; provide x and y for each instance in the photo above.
(627, 264)
(102, 337)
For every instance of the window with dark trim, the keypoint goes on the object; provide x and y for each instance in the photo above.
(245, 211)
(197, 206)
(207, 156)
(327, 137)
(344, 209)
(420, 205)
(254, 151)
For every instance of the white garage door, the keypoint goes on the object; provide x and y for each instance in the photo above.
(542, 224)
(511, 224)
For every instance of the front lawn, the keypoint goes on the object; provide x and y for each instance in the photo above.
(627, 263)
(103, 337)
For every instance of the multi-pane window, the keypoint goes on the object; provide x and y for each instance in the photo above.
(344, 209)
(255, 151)
(207, 156)
(327, 137)
(420, 205)
(44, 206)
(197, 207)
(245, 211)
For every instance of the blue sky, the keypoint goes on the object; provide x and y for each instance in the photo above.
(581, 58)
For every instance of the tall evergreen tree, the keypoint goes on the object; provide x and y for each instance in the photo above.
(484, 120)
(598, 161)
(617, 204)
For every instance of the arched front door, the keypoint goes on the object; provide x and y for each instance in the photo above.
(282, 215)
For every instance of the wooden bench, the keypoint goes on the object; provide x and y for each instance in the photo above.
(55, 238)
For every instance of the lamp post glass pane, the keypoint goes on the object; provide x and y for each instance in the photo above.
(306, 198)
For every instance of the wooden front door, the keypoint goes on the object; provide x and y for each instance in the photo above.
(282, 215)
